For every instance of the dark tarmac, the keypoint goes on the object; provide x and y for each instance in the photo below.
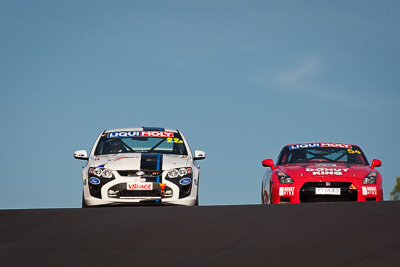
(315, 234)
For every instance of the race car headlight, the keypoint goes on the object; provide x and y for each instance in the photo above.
(101, 172)
(96, 171)
(284, 178)
(107, 173)
(370, 178)
(174, 173)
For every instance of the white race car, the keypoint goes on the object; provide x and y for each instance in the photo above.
(144, 165)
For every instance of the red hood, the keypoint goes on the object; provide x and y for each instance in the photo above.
(325, 171)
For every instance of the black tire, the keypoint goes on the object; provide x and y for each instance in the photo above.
(262, 196)
(197, 196)
(270, 194)
(83, 202)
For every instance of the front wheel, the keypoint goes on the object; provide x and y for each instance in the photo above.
(262, 196)
(197, 195)
(83, 201)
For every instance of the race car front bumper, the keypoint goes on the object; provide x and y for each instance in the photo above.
(327, 191)
(163, 191)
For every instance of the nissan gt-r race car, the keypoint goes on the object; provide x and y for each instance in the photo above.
(140, 166)
(321, 172)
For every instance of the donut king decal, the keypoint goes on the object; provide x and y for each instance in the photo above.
(138, 133)
(327, 171)
(310, 145)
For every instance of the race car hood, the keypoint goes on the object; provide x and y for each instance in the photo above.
(139, 161)
(330, 171)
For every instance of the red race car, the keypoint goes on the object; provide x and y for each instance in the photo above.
(321, 172)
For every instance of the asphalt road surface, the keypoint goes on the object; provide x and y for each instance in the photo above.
(314, 234)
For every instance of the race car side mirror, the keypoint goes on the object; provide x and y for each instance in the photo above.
(376, 163)
(269, 163)
(198, 155)
(81, 154)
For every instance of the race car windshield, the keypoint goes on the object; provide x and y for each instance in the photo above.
(140, 144)
(352, 155)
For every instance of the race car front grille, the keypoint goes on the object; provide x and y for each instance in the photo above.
(139, 193)
(137, 173)
(308, 192)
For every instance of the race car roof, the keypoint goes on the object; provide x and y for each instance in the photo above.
(141, 129)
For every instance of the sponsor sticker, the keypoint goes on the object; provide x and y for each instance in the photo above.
(327, 171)
(94, 180)
(369, 190)
(138, 133)
(286, 191)
(185, 181)
(310, 145)
(157, 134)
(125, 157)
(335, 145)
(139, 186)
(304, 146)
(327, 191)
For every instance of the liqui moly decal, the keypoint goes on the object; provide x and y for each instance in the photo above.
(310, 145)
(327, 171)
(137, 133)
(304, 146)
(157, 134)
(123, 134)
(335, 145)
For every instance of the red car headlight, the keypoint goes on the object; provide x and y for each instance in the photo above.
(370, 178)
(284, 178)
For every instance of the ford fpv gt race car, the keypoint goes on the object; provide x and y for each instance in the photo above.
(140, 166)
(321, 172)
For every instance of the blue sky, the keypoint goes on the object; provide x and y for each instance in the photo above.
(240, 79)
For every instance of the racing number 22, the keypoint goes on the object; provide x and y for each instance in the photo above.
(174, 140)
